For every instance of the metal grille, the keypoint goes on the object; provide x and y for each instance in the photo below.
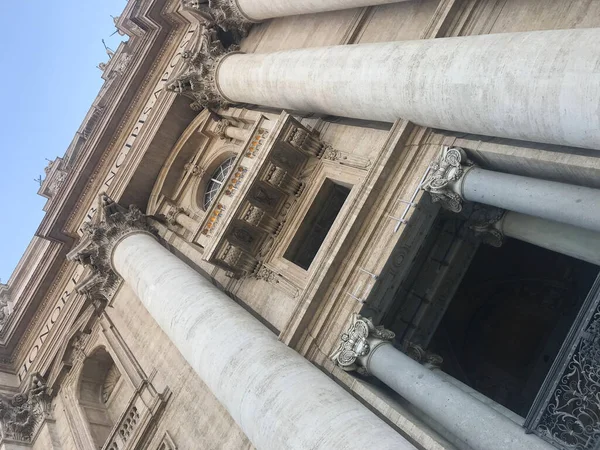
(566, 412)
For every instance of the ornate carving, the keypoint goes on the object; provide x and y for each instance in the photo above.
(4, 304)
(57, 181)
(197, 80)
(110, 382)
(482, 221)
(444, 173)
(194, 169)
(355, 342)
(112, 222)
(280, 178)
(225, 13)
(425, 357)
(567, 410)
(122, 63)
(260, 219)
(221, 128)
(346, 159)
(172, 214)
(305, 141)
(21, 414)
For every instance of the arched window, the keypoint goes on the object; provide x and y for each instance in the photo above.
(102, 394)
(217, 179)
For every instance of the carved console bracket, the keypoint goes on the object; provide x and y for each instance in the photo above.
(225, 13)
(197, 79)
(357, 342)
(445, 172)
(112, 222)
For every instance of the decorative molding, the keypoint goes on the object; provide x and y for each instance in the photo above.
(197, 79)
(445, 172)
(346, 159)
(357, 342)
(224, 13)
(94, 250)
(22, 414)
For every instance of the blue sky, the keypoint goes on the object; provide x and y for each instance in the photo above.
(50, 50)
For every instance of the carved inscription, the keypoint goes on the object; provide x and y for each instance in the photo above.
(159, 89)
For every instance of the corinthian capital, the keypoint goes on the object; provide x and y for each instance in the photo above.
(358, 341)
(225, 13)
(197, 79)
(111, 223)
(444, 173)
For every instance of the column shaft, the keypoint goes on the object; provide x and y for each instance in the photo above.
(566, 203)
(559, 237)
(279, 399)
(237, 133)
(186, 221)
(476, 424)
(538, 86)
(257, 10)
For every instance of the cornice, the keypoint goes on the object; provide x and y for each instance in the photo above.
(95, 180)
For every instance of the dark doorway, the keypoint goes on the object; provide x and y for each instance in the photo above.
(508, 319)
(316, 224)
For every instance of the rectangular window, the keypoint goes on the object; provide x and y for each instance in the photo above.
(316, 224)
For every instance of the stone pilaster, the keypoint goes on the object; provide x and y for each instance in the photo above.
(111, 223)
(197, 79)
(448, 169)
(224, 13)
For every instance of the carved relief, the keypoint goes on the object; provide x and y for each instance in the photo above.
(225, 13)
(194, 169)
(197, 81)
(22, 414)
(305, 141)
(280, 178)
(112, 222)
(258, 218)
(346, 159)
(355, 342)
(444, 173)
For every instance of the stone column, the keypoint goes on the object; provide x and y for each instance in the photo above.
(538, 86)
(454, 179)
(279, 399)
(240, 14)
(179, 216)
(227, 130)
(480, 427)
(492, 225)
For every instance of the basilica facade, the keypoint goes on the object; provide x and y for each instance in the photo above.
(332, 224)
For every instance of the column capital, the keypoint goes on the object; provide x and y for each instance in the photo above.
(224, 13)
(361, 338)
(486, 224)
(22, 414)
(111, 223)
(445, 173)
(197, 80)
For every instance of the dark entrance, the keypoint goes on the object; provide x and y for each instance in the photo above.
(509, 318)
